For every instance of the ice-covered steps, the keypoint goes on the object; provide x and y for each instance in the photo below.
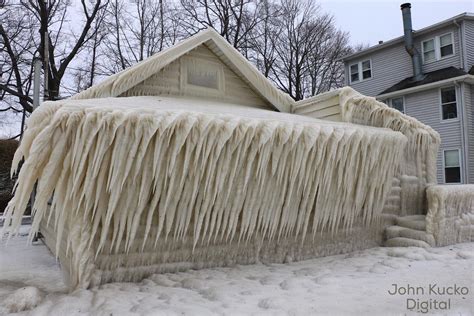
(416, 222)
(409, 231)
(406, 242)
(399, 231)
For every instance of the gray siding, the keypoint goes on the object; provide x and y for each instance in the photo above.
(469, 42)
(453, 60)
(384, 74)
(393, 64)
(425, 106)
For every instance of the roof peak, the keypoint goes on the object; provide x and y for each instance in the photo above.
(120, 82)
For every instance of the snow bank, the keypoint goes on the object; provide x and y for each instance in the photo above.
(23, 299)
(450, 215)
(157, 184)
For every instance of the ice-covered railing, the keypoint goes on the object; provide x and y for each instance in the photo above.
(450, 217)
(129, 174)
(418, 166)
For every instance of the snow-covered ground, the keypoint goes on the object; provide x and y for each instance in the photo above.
(353, 284)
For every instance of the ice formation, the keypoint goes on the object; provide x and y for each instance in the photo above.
(417, 169)
(172, 180)
(450, 215)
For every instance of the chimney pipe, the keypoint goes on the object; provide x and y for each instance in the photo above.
(409, 46)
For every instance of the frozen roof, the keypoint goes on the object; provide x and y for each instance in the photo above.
(159, 104)
(117, 84)
(429, 77)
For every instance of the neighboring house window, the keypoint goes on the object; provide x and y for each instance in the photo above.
(448, 103)
(398, 104)
(366, 70)
(429, 53)
(355, 73)
(360, 71)
(452, 166)
(438, 47)
(446, 45)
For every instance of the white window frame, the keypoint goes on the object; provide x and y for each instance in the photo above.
(440, 91)
(403, 98)
(460, 165)
(439, 45)
(190, 88)
(359, 69)
(437, 48)
(423, 50)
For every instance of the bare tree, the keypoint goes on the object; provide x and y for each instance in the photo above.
(138, 30)
(308, 49)
(264, 37)
(32, 27)
(233, 19)
(17, 49)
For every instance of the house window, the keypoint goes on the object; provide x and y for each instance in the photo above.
(366, 70)
(360, 71)
(201, 76)
(438, 47)
(446, 45)
(452, 166)
(429, 53)
(398, 104)
(448, 103)
(355, 73)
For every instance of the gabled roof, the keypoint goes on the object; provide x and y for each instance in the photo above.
(429, 77)
(120, 82)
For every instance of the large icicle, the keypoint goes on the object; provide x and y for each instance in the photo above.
(131, 175)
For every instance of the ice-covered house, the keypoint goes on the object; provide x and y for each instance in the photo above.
(193, 159)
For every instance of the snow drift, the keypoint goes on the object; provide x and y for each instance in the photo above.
(131, 186)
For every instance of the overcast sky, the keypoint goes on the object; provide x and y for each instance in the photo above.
(369, 21)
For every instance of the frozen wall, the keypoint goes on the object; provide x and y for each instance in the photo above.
(417, 169)
(450, 217)
(149, 184)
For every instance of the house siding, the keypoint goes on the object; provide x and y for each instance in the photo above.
(392, 64)
(167, 83)
(469, 42)
(426, 107)
(384, 74)
(450, 61)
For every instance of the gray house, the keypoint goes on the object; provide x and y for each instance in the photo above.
(427, 74)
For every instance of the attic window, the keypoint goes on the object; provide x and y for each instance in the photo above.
(202, 75)
(207, 78)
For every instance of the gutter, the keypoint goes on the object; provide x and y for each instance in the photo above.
(464, 78)
(464, 132)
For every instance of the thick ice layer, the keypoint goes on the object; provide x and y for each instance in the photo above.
(450, 215)
(419, 158)
(156, 170)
